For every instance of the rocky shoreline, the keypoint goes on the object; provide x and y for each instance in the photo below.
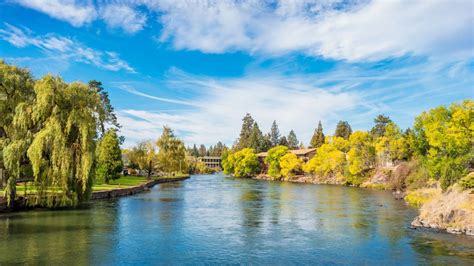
(20, 204)
(451, 212)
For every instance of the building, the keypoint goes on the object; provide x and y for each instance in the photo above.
(303, 154)
(211, 161)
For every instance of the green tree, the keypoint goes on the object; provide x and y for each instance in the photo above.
(245, 132)
(343, 130)
(361, 156)
(202, 150)
(290, 165)
(273, 160)
(108, 157)
(62, 151)
(444, 138)
(381, 122)
(243, 163)
(172, 152)
(284, 141)
(392, 145)
(144, 155)
(105, 110)
(256, 140)
(318, 137)
(292, 140)
(16, 98)
(274, 134)
(194, 151)
(329, 160)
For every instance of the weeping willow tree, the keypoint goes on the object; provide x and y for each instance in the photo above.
(62, 151)
(16, 98)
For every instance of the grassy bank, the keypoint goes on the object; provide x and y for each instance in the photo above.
(122, 182)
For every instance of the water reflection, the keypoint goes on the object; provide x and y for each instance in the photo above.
(220, 220)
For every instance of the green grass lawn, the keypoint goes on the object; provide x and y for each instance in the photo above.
(122, 182)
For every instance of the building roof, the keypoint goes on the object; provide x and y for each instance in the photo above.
(210, 157)
(301, 152)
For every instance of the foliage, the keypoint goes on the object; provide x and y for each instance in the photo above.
(293, 142)
(16, 98)
(318, 137)
(381, 122)
(290, 164)
(105, 109)
(273, 160)
(467, 182)
(392, 145)
(284, 141)
(274, 134)
(256, 139)
(444, 141)
(328, 160)
(361, 156)
(108, 157)
(243, 163)
(343, 130)
(62, 152)
(417, 198)
(245, 132)
(172, 152)
(144, 155)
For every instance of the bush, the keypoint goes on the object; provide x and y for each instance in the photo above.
(467, 182)
(273, 160)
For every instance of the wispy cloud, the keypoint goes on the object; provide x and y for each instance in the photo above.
(297, 102)
(77, 13)
(63, 47)
(124, 17)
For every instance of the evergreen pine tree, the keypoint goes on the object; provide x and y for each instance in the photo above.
(343, 130)
(274, 134)
(292, 141)
(318, 137)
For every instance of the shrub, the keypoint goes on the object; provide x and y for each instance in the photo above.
(467, 182)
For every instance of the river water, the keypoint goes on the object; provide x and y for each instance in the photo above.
(212, 219)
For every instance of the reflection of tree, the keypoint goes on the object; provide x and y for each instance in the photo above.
(56, 237)
(252, 210)
(439, 248)
(362, 212)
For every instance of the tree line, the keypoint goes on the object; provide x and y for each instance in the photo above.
(64, 135)
(166, 155)
(439, 145)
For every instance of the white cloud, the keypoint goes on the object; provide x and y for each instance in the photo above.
(77, 13)
(125, 17)
(346, 30)
(296, 103)
(60, 46)
(212, 108)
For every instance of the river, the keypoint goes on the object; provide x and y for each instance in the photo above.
(212, 219)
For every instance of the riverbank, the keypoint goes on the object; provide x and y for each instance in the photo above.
(450, 212)
(124, 186)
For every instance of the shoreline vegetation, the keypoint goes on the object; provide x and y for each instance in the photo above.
(125, 186)
(430, 165)
(60, 143)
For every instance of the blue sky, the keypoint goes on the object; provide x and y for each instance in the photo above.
(199, 66)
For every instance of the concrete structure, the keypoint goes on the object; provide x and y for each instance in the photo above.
(211, 161)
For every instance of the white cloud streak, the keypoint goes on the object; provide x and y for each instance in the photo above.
(77, 13)
(366, 31)
(64, 47)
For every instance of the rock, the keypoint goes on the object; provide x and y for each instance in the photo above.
(453, 212)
